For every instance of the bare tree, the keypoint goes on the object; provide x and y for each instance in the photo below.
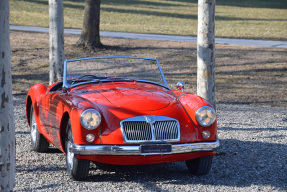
(206, 50)
(56, 33)
(90, 36)
(7, 129)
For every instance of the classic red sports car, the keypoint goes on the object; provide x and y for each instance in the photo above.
(120, 110)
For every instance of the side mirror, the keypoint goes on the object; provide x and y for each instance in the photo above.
(180, 85)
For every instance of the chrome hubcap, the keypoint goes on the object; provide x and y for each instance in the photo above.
(70, 156)
(33, 130)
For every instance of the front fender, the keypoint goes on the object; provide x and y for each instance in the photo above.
(191, 103)
(69, 106)
(75, 105)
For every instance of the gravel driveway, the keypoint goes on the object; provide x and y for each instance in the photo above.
(252, 157)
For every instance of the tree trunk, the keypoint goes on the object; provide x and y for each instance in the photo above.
(7, 129)
(56, 33)
(206, 51)
(90, 36)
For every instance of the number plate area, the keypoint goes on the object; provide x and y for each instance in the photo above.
(155, 149)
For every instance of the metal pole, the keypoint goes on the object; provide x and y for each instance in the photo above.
(206, 51)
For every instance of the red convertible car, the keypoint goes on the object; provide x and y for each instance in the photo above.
(120, 110)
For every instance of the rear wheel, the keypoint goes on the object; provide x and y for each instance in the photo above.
(78, 169)
(38, 141)
(199, 166)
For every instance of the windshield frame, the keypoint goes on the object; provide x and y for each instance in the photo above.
(66, 85)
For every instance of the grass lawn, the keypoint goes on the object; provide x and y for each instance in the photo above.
(251, 19)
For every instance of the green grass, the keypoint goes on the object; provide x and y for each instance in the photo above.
(252, 19)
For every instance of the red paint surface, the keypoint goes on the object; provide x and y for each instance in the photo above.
(148, 159)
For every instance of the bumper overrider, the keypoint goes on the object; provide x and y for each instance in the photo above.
(137, 150)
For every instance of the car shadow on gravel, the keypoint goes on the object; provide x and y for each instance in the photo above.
(237, 163)
(54, 150)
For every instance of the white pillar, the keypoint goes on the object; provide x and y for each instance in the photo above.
(56, 33)
(7, 128)
(206, 51)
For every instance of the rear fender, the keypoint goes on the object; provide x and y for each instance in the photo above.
(32, 99)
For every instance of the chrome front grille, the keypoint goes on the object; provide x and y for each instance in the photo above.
(165, 130)
(150, 128)
(137, 130)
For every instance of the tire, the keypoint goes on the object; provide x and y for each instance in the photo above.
(199, 166)
(38, 142)
(77, 169)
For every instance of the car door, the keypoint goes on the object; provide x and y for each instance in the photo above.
(47, 113)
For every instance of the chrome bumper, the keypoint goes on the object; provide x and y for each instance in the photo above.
(136, 150)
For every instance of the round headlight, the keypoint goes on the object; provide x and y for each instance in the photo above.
(205, 116)
(90, 119)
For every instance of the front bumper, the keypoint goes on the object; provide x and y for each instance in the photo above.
(136, 150)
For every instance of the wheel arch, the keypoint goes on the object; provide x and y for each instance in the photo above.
(28, 109)
(63, 129)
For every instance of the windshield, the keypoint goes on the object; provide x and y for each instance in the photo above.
(113, 68)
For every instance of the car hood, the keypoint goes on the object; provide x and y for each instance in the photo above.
(118, 101)
(137, 100)
(129, 96)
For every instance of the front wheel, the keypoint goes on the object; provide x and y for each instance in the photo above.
(78, 169)
(199, 166)
(38, 142)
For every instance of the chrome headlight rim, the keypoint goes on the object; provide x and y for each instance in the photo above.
(87, 125)
(200, 120)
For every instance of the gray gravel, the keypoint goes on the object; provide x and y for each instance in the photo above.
(252, 157)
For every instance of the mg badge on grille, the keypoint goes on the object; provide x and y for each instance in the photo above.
(149, 119)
